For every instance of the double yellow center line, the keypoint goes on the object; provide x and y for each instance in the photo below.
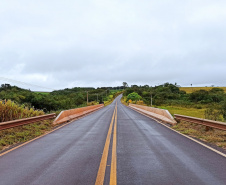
(103, 162)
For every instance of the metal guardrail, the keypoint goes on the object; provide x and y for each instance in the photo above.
(206, 122)
(19, 122)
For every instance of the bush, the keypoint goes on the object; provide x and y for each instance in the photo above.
(134, 97)
(213, 113)
(11, 111)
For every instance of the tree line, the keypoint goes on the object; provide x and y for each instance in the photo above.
(56, 100)
(213, 100)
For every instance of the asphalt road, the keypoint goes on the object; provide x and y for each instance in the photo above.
(113, 144)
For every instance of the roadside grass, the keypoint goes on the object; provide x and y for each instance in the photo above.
(23, 133)
(192, 89)
(92, 103)
(111, 97)
(115, 91)
(123, 100)
(213, 136)
(194, 112)
(108, 102)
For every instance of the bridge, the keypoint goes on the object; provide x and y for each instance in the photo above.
(114, 145)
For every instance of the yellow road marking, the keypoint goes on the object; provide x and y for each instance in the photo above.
(113, 175)
(103, 162)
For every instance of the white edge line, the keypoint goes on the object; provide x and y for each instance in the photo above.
(214, 150)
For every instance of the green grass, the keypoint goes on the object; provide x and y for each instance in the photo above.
(192, 89)
(23, 133)
(213, 136)
(123, 101)
(109, 101)
(115, 91)
(193, 112)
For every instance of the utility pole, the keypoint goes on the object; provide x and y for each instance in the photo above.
(151, 99)
(87, 98)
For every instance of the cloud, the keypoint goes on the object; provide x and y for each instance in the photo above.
(103, 43)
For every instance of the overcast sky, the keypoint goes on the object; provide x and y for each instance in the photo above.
(59, 44)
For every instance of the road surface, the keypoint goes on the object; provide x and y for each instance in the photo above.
(114, 145)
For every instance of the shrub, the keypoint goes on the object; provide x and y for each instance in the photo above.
(213, 113)
(133, 96)
(11, 111)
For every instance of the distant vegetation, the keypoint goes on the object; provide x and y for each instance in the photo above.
(209, 104)
(192, 89)
(16, 103)
(56, 100)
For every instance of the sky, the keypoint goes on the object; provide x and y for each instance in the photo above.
(94, 43)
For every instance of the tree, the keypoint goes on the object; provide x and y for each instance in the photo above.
(133, 96)
(125, 84)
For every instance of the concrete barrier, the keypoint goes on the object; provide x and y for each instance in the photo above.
(160, 114)
(71, 114)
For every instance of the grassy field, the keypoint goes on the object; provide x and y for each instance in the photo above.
(192, 89)
(199, 113)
